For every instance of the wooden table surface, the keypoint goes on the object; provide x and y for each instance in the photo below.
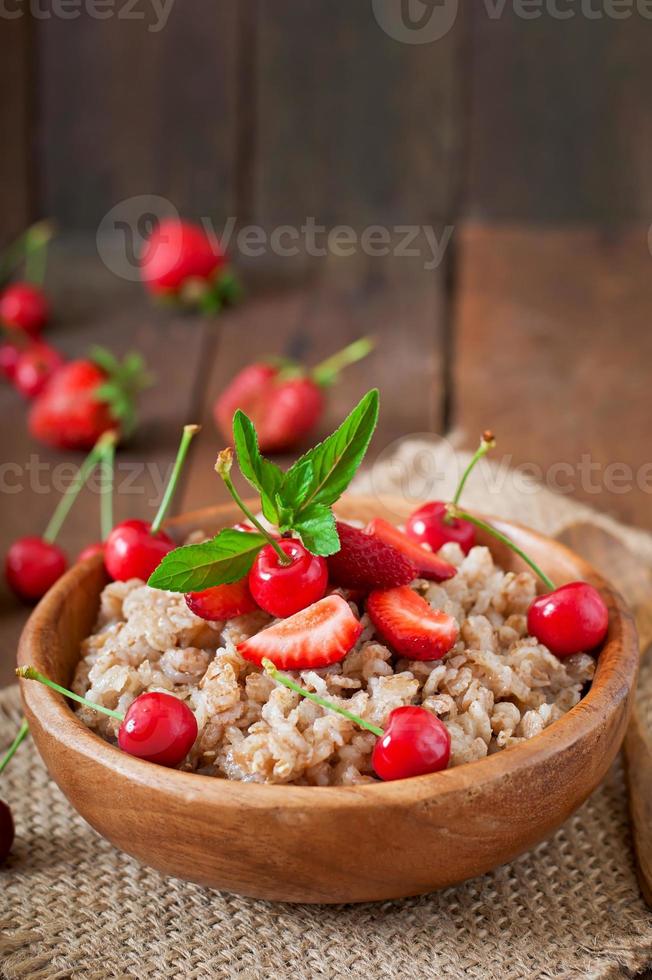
(542, 335)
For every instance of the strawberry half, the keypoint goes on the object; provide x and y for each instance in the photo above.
(427, 563)
(317, 636)
(410, 626)
(365, 562)
(222, 601)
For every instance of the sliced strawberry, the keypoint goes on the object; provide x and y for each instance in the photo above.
(365, 562)
(317, 636)
(410, 626)
(428, 564)
(222, 601)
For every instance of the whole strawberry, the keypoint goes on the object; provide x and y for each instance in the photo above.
(86, 398)
(182, 263)
(284, 400)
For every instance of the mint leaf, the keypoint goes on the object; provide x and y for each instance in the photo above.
(296, 485)
(226, 558)
(263, 475)
(335, 460)
(317, 530)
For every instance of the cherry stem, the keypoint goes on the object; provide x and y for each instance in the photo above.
(463, 515)
(106, 498)
(63, 507)
(316, 699)
(223, 469)
(189, 432)
(34, 238)
(326, 372)
(487, 442)
(30, 674)
(11, 751)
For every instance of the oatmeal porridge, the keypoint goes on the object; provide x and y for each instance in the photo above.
(494, 688)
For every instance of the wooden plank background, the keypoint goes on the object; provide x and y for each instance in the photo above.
(273, 111)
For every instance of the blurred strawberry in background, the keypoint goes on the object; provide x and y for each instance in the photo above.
(182, 263)
(87, 398)
(284, 399)
(24, 308)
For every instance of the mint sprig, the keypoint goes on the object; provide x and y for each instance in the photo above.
(299, 502)
(224, 559)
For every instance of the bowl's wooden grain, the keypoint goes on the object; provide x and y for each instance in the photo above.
(335, 844)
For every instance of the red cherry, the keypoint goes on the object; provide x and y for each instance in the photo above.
(32, 566)
(572, 619)
(414, 743)
(9, 357)
(158, 728)
(429, 525)
(35, 368)
(97, 548)
(23, 307)
(131, 551)
(7, 831)
(283, 590)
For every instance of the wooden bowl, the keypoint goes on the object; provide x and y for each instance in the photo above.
(331, 844)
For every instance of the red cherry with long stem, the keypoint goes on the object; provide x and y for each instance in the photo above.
(7, 829)
(414, 742)
(570, 619)
(134, 548)
(34, 564)
(433, 525)
(157, 727)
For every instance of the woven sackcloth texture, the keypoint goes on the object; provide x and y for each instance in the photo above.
(73, 906)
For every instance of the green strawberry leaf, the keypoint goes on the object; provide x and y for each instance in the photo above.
(226, 558)
(263, 475)
(317, 530)
(335, 460)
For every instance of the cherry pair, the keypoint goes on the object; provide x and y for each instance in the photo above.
(414, 742)
(157, 727)
(568, 620)
(134, 548)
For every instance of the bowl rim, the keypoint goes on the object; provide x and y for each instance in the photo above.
(610, 688)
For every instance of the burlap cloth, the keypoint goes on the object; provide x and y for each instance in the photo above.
(73, 906)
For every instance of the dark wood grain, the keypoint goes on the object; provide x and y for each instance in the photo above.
(95, 307)
(553, 349)
(127, 110)
(353, 126)
(398, 303)
(16, 117)
(560, 127)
